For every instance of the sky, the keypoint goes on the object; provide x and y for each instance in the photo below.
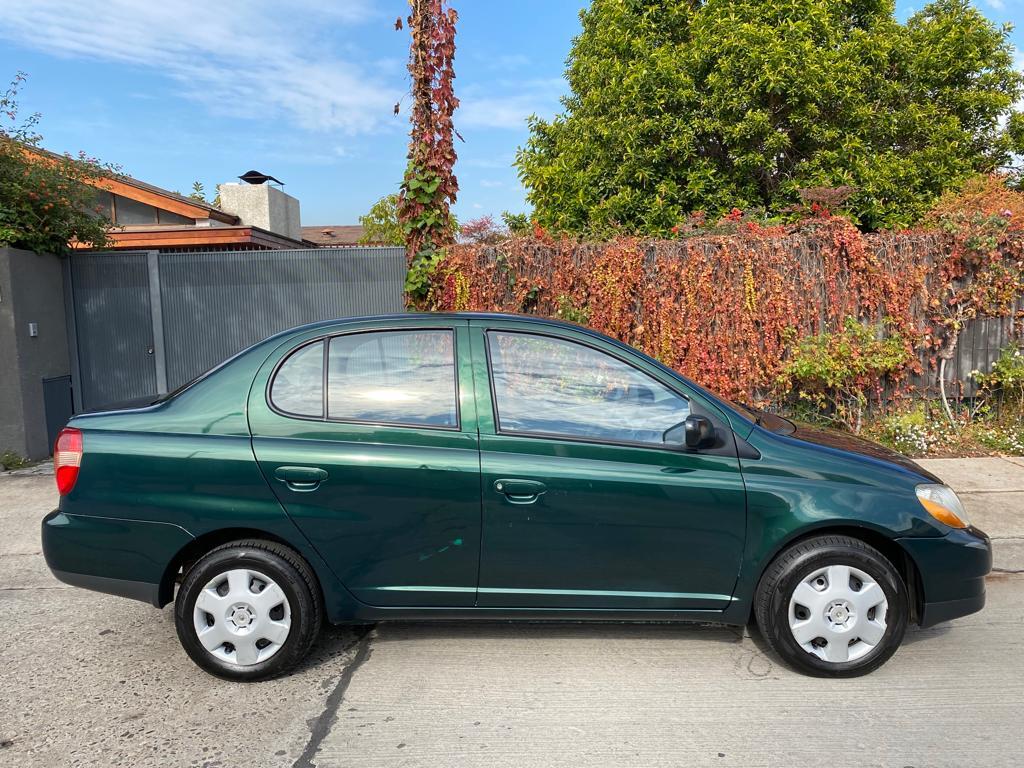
(177, 91)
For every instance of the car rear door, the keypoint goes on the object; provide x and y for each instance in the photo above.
(584, 505)
(368, 437)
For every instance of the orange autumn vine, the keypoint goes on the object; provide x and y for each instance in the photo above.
(727, 310)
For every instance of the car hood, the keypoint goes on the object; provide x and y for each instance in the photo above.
(844, 441)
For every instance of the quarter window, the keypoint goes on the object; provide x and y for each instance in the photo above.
(394, 377)
(299, 384)
(549, 386)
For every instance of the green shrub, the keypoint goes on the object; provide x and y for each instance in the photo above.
(914, 432)
(11, 460)
(46, 201)
(835, 371)
(1006, 376)
(1008, 439)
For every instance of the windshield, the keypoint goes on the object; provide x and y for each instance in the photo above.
(770, 421)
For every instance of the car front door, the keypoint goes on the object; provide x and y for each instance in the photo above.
(584, 505)
(368, 437)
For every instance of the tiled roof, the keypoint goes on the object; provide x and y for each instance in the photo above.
(345, 234)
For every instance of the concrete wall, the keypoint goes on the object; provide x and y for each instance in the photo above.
(12, 427)
(32, 292)
(263, 206)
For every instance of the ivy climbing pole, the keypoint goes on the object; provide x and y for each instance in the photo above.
(429, 187)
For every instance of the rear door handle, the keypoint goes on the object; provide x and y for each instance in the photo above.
(301, 478)
(520, 491)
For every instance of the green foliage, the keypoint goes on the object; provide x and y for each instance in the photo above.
(912, 432)
(568, 311)
(11, 460)
(198, 194)
(429, 187)
(517, 224)
(836, 371)
(381, 225)
(421, 268)
(1003, 438)
(45, 202)
(925, 431)
(677, 107)
(1007, 374)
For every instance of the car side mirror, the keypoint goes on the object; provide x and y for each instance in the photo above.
(694, 433)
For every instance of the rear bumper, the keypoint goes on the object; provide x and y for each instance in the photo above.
(953, 570)
(128, 558)
(136, 590)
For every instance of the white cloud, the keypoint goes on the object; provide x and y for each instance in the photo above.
(999, 5)
(260, 59)
(507, 104)
(491, 183)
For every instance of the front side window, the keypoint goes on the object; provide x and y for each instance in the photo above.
(394, 377)
(299, 383)
(549, 386)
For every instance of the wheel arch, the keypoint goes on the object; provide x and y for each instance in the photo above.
(886, 545)
(204, 543)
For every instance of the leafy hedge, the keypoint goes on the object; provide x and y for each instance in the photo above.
(753, 314)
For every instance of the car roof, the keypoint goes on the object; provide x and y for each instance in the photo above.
(427, 316)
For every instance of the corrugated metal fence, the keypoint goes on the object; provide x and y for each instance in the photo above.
(144, 323)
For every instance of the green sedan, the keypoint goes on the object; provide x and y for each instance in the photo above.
(472, 466)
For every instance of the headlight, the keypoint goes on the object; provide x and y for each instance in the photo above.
(943, 504)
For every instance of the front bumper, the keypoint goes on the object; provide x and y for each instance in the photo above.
(120, 557)
(953, 570)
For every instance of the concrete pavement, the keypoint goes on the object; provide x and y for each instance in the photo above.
(993, 491)
(92, 680)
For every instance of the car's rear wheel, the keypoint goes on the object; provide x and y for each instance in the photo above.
(832, 606)
(248, 610)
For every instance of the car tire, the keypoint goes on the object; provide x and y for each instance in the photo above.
(832, 606)
(248, 610)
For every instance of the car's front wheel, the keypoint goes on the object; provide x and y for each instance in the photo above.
(832, 606)
(248, 610)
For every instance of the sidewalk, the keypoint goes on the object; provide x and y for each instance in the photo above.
(992, 489)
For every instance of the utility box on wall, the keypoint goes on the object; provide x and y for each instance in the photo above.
(33, 348)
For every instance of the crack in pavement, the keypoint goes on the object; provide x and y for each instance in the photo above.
(326, 720)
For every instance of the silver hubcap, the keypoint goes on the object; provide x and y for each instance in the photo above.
(838, 613)
(242, 617)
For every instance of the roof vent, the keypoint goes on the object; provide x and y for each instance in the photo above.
(255, 177)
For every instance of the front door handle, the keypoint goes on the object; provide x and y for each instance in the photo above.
(301, 478)
(520, 491)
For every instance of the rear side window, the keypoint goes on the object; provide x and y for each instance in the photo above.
(394, 377)
(549, 386)
(299, 384)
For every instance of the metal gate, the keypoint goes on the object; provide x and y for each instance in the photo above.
(144, 323)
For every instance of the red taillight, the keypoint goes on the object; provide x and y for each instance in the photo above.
(67, 458)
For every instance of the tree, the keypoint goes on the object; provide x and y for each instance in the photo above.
(381, 225)
(677, 107)
(429, 187)
(45, 200)
(482, 231)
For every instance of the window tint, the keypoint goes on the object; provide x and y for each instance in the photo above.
(556, 387)
(396, 377)
(299, 384)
